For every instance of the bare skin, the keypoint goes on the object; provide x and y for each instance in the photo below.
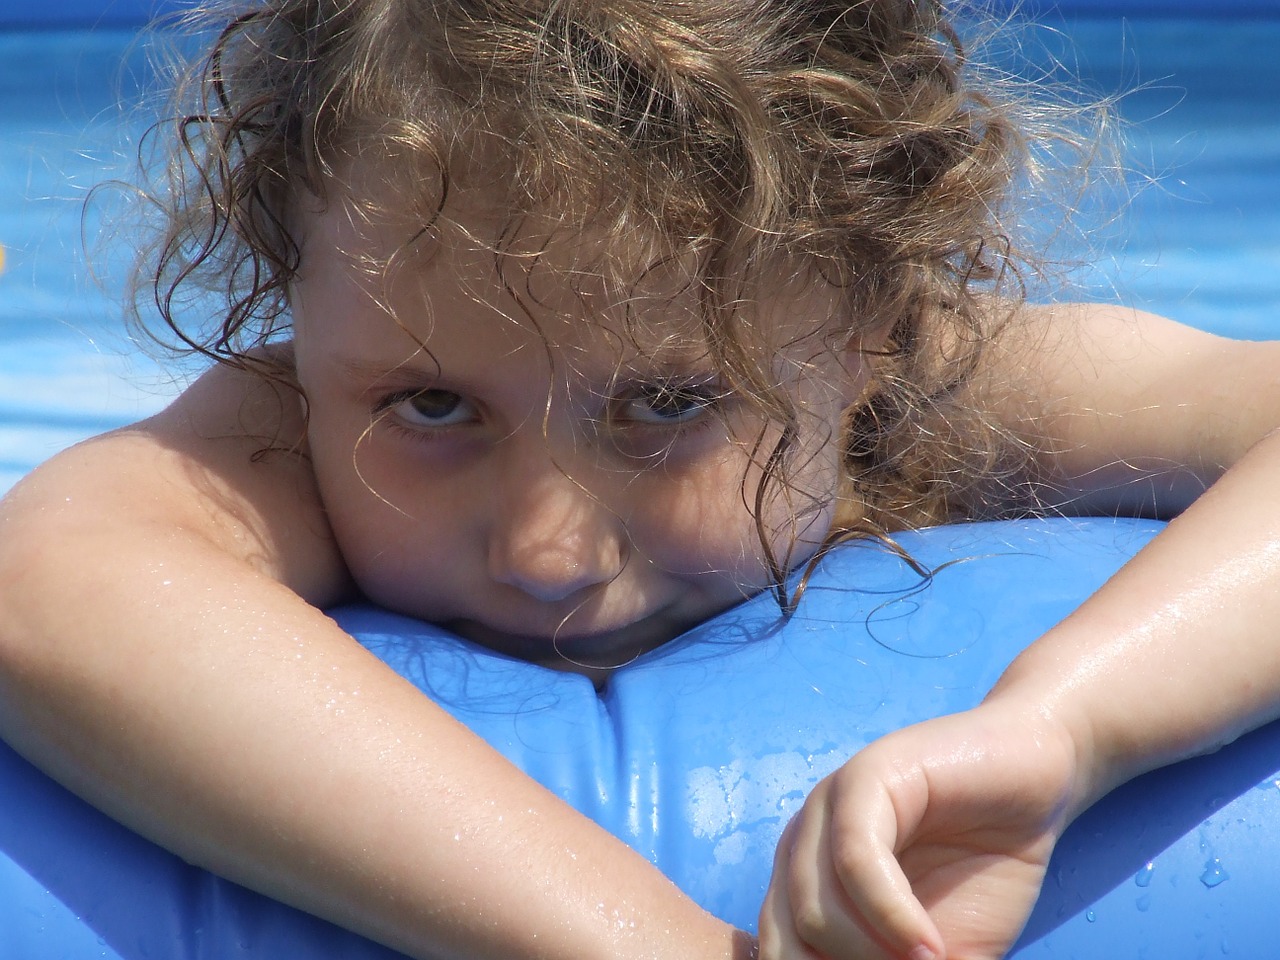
(164, 653)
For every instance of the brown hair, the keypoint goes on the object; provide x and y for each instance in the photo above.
(850, 136)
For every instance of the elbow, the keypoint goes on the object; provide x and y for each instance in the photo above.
(40, 551)
(24, 565)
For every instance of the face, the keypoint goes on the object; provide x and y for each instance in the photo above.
(553, 469)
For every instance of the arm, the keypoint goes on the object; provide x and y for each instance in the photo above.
(936, 838)
(1191, 619)
(163, 656)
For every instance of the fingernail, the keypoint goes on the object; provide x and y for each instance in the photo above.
(922, 952)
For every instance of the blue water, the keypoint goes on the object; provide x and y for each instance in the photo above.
(1201, 242)
(67, 370)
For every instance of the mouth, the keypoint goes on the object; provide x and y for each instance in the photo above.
(594, 653)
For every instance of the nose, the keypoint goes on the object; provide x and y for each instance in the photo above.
(551, 537)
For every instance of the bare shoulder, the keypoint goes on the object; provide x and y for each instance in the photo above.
(1082, 361)
(1107, 393)
(225, 462)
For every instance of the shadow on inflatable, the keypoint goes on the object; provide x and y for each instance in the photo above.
(698, 754)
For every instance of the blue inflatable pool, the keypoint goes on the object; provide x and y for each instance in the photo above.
(697, 755)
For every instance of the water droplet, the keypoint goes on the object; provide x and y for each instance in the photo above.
(1144, 903)
(1143, 876)
(1214, 873)
(1090, 916)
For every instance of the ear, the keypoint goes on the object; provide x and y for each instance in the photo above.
(865, 358)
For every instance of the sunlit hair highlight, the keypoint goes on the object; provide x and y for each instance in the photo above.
(852, 142)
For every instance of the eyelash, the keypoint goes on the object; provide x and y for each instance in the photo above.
(705, 397)
(384, 411)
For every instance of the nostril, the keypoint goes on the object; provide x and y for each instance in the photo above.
(549, 535)
(556, 569)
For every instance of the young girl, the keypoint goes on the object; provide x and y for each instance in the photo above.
(568, 325)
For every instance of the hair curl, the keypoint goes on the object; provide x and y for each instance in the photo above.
(851, 136)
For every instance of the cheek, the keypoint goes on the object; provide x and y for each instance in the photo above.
(360, 474)
(796, 499)
(800, 501)
(701, 518)
(693, 520)
(391, 534)
(701, 521)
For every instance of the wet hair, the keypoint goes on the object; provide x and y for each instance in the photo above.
(850, 141)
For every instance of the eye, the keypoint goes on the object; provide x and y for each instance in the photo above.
(665, 404)
(431, 409)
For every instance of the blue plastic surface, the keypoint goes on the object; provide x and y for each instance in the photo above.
(698, 754)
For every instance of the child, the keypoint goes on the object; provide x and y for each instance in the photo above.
(568, 325)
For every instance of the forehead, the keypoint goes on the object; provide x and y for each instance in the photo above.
(540, 276)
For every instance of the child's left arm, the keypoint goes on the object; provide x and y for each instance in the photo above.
(933, 841)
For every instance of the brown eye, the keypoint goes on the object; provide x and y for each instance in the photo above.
(668, 405)
(431, 408)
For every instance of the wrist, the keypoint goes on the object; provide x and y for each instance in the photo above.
(1060, 730)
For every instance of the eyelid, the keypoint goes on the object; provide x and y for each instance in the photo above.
(705, 393)
(389, 404)
(707, 382)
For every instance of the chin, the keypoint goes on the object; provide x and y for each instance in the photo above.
(588, 653)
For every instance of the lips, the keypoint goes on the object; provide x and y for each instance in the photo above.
(605, 648)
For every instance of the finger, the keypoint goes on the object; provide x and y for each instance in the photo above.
(824, 919)
(777, 938)
(865, 835)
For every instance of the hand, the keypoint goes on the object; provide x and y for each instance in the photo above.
(932, 842)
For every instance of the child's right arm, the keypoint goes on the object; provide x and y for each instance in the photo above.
(163, 655)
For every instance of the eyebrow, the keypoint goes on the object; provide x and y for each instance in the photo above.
(421, 369)
(372, 372)
(667, 363)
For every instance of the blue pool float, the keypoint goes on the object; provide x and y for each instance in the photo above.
(698, 754)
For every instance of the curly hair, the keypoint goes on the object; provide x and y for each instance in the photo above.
(848, 136)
